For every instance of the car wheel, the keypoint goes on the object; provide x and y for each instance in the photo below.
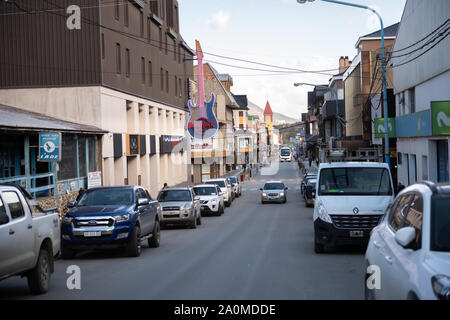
(66, 252)
(155, 239)
(221, 210)
(134, 248)
(39, 277)
(318, 248)
(228, 203)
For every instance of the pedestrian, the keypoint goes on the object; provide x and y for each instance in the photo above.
(310, 160)
(165, 185)
(80, 194)
(317, 162)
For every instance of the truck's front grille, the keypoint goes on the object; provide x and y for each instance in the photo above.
(355, 221)
(169, 216)
(96, 222)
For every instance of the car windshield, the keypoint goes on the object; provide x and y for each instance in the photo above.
(285, 152)
(273, 186)
(355, 181)
(205, 191)
(440, 223)
(220, 183)
(233, 179)
(174, 195)
(106, 197)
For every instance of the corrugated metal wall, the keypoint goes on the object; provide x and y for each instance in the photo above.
(38, 50)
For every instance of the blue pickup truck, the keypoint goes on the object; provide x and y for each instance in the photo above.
(111, 217)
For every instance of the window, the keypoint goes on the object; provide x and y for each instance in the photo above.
(412, 100)
(169, 11)
(143, 69)
(15, 206)
(424, 168)
(117, 10)
(161, 76)
(150, 74)
(160, 39)
(126, 15)
(180, 88)
(103, 46)
(154, 7)
(399, 211)
(92, 154)
(149, 29)
(174, 50)
(3, 212)
(415, 216)
(141, 14)
(118, 60)
(440, 220)
(82, 155)
(167, 81)
(176, 86)
(127, 61)
(166, 49)
(141, 194)
(67, 169)
(176, 20)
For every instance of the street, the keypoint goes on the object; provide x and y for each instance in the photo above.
(253, 251)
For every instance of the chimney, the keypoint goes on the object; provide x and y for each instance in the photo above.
(344, 63)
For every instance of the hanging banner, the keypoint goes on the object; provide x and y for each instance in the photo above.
(49, 146)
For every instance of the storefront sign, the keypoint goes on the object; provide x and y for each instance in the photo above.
(133, 144)
(94, 179)
(49, 146)
(168, 143)
(380, 128)
(440, 117)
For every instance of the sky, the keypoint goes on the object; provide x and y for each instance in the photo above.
(309, 36)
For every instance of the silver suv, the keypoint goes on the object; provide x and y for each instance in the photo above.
(179, 206)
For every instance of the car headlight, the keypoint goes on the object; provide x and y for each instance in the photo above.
(323, 215)
(264, 194)
(67, 220)
(123, 217)
(281, 194)
(441, 286)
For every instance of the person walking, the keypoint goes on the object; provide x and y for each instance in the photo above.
(310, 160)
(165, 185)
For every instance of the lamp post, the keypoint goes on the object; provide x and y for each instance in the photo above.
(335, 94)
(383, 65)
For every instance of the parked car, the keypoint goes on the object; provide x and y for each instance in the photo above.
(111, 217)
(274, 191)
(310, 192)
(180, 206)
(412, 245)
(224, 187)
(236, 186)
(211, 199)
(305, 179)
(29, 239)
(351, 198)
(230, 185)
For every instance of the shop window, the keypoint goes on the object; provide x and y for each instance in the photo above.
(67, 167)
(92, 154)
(82, 155)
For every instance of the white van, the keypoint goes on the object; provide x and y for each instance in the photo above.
(351, 198)
(285, 154)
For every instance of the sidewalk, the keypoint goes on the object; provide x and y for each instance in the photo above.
(305, 166)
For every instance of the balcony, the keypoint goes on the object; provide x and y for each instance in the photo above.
(329, 109)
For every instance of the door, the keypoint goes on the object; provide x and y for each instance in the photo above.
(145, 212)
(19, 233)
(153, 209)
(6, 249)
(442, 165)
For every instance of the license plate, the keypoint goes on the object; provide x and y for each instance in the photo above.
(93, 234)
(357, 234)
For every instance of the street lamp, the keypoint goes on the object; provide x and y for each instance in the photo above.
(383, 65)
(297, 84)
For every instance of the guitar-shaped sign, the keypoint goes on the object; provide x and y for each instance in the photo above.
(203, 125)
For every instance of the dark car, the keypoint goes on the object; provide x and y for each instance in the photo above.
(310, 192)
(111, 217)
(306, 177)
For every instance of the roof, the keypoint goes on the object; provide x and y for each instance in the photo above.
(353, 164)
(268, 109)
(18, 119)
(241, 101)
(389, 32)
(225, 77)
(233, 102)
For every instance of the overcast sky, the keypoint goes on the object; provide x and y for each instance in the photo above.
(310, 36)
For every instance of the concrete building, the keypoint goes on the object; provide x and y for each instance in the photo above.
(124, 71)
(422, 95)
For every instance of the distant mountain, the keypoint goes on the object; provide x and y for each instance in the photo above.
(277, 117)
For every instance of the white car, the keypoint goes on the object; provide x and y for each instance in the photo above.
(211, 198)
(411, 246)
(225, 188)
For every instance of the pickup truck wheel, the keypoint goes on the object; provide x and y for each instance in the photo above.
(154, 241)
(67, 253)
(134, 244)
(221, 210)
(39, 277)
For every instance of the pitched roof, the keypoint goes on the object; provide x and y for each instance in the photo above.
(241, 101)
(390, 31)
(268, 109)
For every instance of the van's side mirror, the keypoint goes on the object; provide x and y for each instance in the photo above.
(4, 219)
(71, 204)
(405, 236)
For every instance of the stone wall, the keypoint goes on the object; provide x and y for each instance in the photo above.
(59, 201)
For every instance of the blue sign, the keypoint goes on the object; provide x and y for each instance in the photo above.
(49, 146)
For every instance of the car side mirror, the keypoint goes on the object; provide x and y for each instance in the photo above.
(405, 236)
(196, 198)
(71, 204)
(285, 188)
(143, 202)
(261, 189)
(4, 219)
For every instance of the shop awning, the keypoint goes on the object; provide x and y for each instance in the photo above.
(16, 119)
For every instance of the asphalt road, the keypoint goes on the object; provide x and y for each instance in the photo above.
(253, 251)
